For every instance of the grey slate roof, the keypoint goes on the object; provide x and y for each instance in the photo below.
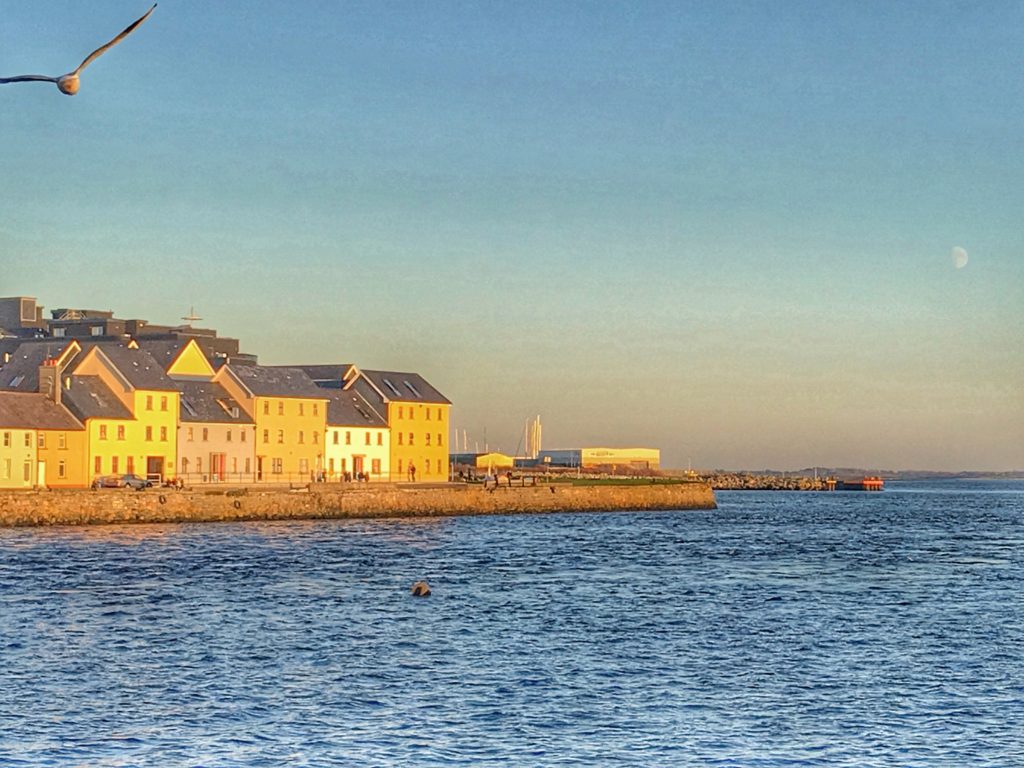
(349, 409)
(331, 376)
(88, 397)
(404, 387)
(27, 410)
(208, 401)
(136, 365)
(164, 351)
(267, 381)
(23, 367)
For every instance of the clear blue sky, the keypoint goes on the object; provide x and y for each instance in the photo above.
(722, 229)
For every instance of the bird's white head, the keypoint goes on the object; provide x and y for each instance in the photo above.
(68, 84)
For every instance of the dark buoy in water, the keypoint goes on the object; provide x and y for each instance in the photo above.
(421, 589)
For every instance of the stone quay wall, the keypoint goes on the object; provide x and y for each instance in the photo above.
(112, 506)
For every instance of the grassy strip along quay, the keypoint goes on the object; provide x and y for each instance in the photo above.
(27, 508)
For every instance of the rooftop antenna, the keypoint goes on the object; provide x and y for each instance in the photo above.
(191, 317)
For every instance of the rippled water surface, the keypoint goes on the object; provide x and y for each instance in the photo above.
(781, 629)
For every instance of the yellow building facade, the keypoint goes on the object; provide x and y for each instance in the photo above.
(290, 420)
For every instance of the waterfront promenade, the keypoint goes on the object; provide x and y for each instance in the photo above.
(64, 507)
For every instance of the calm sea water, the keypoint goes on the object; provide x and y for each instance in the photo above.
(782, 629)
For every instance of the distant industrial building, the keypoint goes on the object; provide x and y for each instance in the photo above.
(602, 459)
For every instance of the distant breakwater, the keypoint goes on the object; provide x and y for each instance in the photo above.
(34, 508)
(742, 481)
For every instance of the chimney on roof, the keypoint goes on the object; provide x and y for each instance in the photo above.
(49, 380)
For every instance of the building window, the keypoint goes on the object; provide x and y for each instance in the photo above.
(234, 465)
(248, 467)
(97, 465)
(303, 466)
(199, 464)
(62, 441)
(439, 443)
(368, 438)
(410, 438)
(103, 431)
(96, 330)
(113, 464)
(266, 407)
(335, 437)
(380, 438)
(42, 440)
(266, 435)
(7, 439)
(26, 472)
(411, 414)
(229, 435)
(438, 414)
(428, 414)
(241, 434)
(280, 436)
(163, 434)
(428, 439)
(277, 466)
(28, 439)
(302, 437)
(62, 469)
(344, 465)
(375, 466)
(59, 332)
(149, 434)
(316, 437)
(280, 407)
(316, 409)
(206, 434)
(163, 402)
(302, 409)
(401, 413)
(149, 402)
(120, 431)
(348, 438)
(184, 465)
(400, 439)
(129, 465)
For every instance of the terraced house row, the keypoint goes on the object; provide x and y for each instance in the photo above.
(73, 411)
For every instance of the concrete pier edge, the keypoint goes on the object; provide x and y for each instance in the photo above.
(114, 506)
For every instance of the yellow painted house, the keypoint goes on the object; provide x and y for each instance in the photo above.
(418, 417)
(290, 420)
(33, 412)
(216, 435)
(130, 410)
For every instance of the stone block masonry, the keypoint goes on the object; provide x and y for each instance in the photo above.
(37, 508)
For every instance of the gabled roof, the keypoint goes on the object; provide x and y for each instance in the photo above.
(349, 409)
(164, 351)
(266, 381)
(89, 398)
(137, 366)
(30, 410)
(332, 376)
(21, 372)
(208, 401)
(395, 386)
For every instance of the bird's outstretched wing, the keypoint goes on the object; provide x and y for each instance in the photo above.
(27, 79)
(103, 48)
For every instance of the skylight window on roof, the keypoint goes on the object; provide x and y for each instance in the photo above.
(189, 407)
(17, 380)
(413, 389)
(392, 387)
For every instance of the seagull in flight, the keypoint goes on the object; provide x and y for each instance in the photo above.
(68, 83)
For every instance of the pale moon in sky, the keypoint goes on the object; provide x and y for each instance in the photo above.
(959, 257)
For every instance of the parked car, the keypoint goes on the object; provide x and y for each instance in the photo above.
(122, 481)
